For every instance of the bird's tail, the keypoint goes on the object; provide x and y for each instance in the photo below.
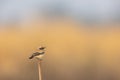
(31, 57)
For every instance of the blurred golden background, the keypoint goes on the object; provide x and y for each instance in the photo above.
(74, 51)
(82, 39)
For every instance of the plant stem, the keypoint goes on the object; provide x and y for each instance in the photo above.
(39, 69)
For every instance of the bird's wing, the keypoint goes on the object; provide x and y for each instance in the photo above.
(36, 54)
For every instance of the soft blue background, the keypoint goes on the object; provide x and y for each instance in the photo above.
(81, 10)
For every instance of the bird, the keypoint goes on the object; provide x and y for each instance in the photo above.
(42, 48)
(37, 54)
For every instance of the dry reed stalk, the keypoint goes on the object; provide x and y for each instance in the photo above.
(39, 69)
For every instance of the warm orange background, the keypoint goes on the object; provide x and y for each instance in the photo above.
(74, 51)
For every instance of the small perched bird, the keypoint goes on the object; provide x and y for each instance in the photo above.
(37, 54)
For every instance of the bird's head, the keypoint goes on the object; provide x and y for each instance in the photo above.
(42, 48)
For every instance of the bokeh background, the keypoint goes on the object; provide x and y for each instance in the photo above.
(82, 39)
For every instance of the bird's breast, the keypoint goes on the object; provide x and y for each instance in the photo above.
(39, 56)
